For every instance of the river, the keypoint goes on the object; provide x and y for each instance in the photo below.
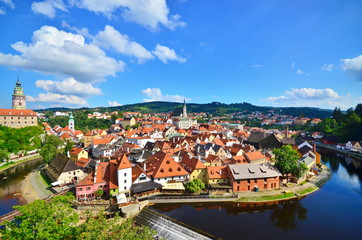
(333, 212)
(10, 184)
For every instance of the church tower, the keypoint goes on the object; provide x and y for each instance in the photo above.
(184, 113)
(19, 101)
(71, 122)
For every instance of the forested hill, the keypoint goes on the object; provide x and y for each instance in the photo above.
(214, 108)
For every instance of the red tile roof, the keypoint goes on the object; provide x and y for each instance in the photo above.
(124, 162)
(17, 112)
(217, 172)
(161, 165)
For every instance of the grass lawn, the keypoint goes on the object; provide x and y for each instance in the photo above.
(45, 178)
(267, 197)
(307, 190)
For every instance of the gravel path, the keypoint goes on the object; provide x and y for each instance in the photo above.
(34, 188)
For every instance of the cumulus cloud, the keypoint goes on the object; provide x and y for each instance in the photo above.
(48, 7)
(166, 54)
(68, 86)
(9, 3)
(155, 94)
(58, 98)
(310, 97)
(353, 66)
(111, 38)
(114, 104)
(2, 12)
(148, 13)
(57, 52)
(328, 67)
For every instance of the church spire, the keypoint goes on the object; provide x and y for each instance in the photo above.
(184, 110)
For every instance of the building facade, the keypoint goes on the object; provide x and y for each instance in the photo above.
(19, 101)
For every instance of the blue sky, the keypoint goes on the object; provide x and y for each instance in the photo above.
(76, 53)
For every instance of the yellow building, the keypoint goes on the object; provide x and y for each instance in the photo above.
(128, 122)
(89, 137)
(78, 153)
(217, 175)
(195, 168)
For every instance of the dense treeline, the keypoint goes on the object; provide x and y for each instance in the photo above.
(82, 122)
(345, 126)
(13, 140)
(214, 108)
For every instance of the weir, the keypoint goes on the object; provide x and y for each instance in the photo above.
(169, 228)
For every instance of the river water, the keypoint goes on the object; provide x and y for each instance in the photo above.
(10, 184)
(333, 212)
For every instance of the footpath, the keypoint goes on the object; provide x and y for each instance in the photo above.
(34, 188)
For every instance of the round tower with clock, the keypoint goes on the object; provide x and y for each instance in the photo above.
(19, 101)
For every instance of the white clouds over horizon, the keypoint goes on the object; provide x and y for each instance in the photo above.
(57, 52)
(48, 7)
(114, 104)
(148, 13)
(310, 97)
(58, 98)
(155, 94)
(353, 66)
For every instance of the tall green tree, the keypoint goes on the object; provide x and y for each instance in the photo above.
(286, 160)
(50, 148)
(195, 185)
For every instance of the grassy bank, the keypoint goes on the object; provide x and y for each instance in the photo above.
(13, 164)
(266, 197)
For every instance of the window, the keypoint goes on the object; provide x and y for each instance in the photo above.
(125, 181)
(265, 186)
(80, 189)
(125, 188)
(142, 178)
(88, 188)
(125, 174)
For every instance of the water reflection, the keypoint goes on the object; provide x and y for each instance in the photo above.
(288, 214)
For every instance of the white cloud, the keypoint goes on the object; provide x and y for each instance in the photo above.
(328, 67)
(81, 31)
(48, 7)
(57, 52)
(9, 3)
(2, 12)
(58, 98)
(256, 66)
(165, 54)
(111, 38)
(155, 94)
(299, 71)
(353, 66)
(148, 13)
(114, 104)
(309, 97)
(292, 65)
(68, 86)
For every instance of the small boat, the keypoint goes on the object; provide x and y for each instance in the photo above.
(5, 178)
(17, 194)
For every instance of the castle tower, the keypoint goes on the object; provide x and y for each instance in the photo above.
(71, 122)
(184, 113)
(19, 101)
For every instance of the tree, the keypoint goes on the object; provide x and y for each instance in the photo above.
(286, 159)
(195, 185)
(358, 110)
(299, 170)
(4, 155)
(99, 192)
(58, 220)
(68, 147)
(43, 220)
(50, 148)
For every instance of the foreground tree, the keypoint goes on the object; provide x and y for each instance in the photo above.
(58, 220)
(286, 160)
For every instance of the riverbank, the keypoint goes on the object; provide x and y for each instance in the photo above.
(288, 193)
(34, 188)
(11, 164)
(344, 152)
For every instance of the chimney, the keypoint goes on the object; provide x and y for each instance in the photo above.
(314, 148)
(287, 132)
(144, 166)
